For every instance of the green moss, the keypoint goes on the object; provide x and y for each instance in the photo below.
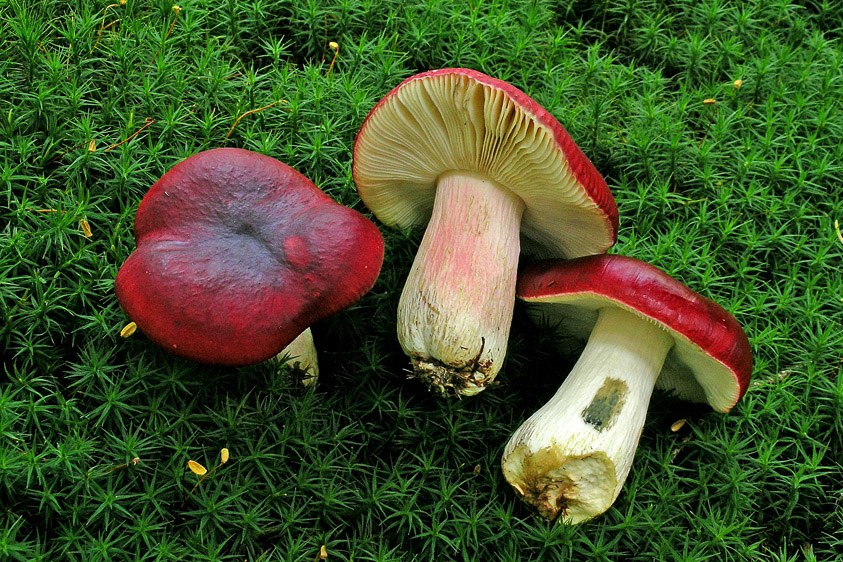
(738, 199)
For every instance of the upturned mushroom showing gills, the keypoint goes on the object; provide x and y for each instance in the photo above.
(489, 171)
(237, 254)
(572, 456)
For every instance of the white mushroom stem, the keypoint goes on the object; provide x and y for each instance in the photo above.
(301, 354)
(572, 456)
(456, 308)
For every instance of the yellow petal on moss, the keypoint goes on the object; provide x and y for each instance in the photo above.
(128, 330)
(224, 456)
(196, 468)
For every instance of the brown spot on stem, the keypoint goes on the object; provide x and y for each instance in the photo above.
(606, 404)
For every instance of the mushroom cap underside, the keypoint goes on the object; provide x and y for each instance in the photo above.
(456, 119)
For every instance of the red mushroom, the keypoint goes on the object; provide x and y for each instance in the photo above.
(573, 455)
(237, 254)
(488, 170)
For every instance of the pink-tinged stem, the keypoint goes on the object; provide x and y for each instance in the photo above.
(456, 309)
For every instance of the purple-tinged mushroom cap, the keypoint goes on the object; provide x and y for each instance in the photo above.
(237, 254)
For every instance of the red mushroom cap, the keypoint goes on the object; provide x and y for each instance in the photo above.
(461, 119)
(711, 360)
(237, 253)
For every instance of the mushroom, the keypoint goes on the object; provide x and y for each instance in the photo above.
(487, 169)
(237, 254)
(572, 456)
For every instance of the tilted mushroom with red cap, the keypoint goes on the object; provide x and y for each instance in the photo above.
(572, 456)
(237, 254)
(487, 169)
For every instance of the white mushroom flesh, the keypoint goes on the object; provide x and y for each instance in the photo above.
(300, 354)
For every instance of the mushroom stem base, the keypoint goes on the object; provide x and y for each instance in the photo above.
(445, 380)
(573, 487)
